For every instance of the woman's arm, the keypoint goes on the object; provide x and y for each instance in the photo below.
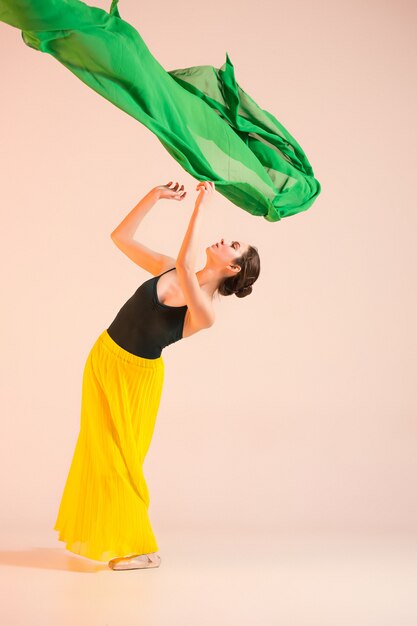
(127, 227)
(123, 237)
(199, 305)
(188, 250)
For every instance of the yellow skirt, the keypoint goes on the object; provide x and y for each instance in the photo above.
(104, 506)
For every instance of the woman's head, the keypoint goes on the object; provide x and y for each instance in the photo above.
(240, 263)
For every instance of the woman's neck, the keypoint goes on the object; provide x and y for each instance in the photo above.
(209, 279)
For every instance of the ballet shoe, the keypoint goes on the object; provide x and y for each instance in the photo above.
(135, 561)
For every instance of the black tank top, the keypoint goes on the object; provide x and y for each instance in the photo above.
(144, 326)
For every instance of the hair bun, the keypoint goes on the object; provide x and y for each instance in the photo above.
(245, 291)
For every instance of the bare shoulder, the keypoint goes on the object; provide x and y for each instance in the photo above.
(200, 304)
(192, 325)
(191, 328)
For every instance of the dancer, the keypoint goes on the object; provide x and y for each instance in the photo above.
(200, 114)
(103, 513)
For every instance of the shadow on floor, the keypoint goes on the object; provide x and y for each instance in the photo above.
(51, 558)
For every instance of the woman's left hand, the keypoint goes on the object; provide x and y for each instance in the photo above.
(171, 193)
(205, 189)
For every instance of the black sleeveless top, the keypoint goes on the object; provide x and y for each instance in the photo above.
(144, 326)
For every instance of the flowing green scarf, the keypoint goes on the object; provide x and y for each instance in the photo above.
(200, 114)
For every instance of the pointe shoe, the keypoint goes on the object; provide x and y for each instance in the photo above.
(135, 561)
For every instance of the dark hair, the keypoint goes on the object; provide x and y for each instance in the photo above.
(241, 283)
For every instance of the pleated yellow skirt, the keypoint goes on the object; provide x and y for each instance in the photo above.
(104, 506)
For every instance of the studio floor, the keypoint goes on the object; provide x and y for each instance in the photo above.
(208, 578)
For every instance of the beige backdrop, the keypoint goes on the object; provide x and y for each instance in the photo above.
(297, 410)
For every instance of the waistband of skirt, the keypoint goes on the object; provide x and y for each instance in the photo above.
(125, 355)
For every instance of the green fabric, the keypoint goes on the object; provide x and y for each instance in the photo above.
(203, 118)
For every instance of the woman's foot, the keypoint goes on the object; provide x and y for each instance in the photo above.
(135, 561)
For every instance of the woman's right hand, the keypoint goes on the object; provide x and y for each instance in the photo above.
(206, 189)
(171, 193)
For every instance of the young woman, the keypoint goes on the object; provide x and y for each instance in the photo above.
(103, 513)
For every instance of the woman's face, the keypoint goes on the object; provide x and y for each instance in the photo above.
(224, 253)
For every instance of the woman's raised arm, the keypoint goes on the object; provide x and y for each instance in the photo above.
(123, 236)
(128, 226)
(200, 308)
